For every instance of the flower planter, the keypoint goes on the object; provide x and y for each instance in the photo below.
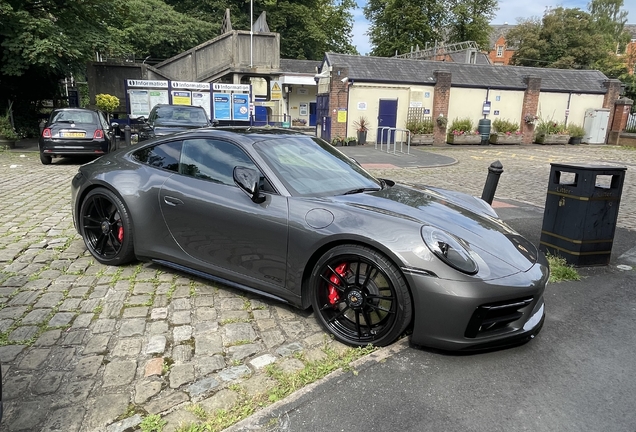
(422, 139)
(576, 140)
(463, 139)
(551, 139)
(362, 137)
(506, 139)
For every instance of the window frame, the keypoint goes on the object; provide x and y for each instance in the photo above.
(500, 50)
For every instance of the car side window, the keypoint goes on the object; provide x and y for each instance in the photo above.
(212, 160)
(164, 156)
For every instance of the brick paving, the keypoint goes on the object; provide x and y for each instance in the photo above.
(82, 343)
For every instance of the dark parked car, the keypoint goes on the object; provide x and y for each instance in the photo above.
(73, 132)
(168, 119)
(292, 218)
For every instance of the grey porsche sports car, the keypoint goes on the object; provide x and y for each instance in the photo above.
(290, 217)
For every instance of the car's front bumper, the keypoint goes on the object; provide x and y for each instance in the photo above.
(472, 316)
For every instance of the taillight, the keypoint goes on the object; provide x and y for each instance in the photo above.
(99, 134)
(46, 133)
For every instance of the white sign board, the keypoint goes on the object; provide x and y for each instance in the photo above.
(202, 99)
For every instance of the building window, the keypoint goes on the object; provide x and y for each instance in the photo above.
(500, 49)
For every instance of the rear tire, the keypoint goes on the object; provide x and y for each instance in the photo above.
(45, 159)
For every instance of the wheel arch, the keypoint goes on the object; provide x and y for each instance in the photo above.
(92, 187)
(311, 263)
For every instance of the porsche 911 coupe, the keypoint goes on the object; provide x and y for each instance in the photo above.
(288, 216)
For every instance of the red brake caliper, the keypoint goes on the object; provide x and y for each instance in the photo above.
(334, 298)
(120, 234)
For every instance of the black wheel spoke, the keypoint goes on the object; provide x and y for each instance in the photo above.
(336, 286)
(368, 275)
(88, 218)
(99, 207)
(367, 317)
(358, 271)
(346, 308)
(358, 325)
(100, 243)
(379, 297)
(114, 242)
(378, 308)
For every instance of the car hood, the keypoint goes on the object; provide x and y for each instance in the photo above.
(462, 215)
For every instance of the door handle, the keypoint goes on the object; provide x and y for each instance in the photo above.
(172, 201)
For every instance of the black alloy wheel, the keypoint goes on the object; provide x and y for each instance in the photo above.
(106, 227)
(360, 296)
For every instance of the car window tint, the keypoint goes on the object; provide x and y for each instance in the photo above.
(180, 115)
(212, 160)
(164, 156)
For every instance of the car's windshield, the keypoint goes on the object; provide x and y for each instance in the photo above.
(180, 116)
(73, 116)
(309, 166)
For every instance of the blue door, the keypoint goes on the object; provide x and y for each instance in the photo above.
(323, 118)
(312, 113)
(387, 117)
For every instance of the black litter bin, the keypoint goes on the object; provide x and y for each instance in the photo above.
(581, 209)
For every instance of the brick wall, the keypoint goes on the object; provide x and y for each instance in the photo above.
(613, 87)
(440, 104)
(338, 99)
(618, 119)
(530, 106)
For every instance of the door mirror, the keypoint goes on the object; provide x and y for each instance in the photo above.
(247, 179)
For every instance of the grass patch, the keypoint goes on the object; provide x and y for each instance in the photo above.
(560, 270)
(152, 423)
(286, 383)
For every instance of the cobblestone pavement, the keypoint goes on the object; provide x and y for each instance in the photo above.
(88, 347)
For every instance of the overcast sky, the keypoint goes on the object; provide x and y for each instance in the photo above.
(509, 11)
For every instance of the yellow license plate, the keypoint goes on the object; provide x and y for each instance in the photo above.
(72, 134)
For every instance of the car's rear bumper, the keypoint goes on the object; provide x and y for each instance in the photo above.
(481, 315)
(77, 147)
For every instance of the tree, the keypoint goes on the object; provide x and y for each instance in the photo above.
(399, 25)
(153, 28)
(610, 20)
(469, 21)
(308, 28)
(563, 38)
(56, 35)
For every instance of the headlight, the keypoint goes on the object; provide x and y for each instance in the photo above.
(449, 249)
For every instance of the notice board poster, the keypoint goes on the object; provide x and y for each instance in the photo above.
(241, 106)
(139, 100)
(222, 109)
(158, 97)
(202, 99)
(181, 97)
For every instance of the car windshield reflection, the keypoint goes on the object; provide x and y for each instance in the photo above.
(308, 166)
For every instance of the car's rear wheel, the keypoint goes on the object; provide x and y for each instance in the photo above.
(106, 227)
(360, 296)
(45, 159)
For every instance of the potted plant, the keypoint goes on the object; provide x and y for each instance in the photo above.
(505, 132)
(350, 141)
(107, 103)
(337, 141)
(299, 122)
(461, 131)
(421, 131)
(549, 132)
(8, 137)
(576, 133)
(362, 126)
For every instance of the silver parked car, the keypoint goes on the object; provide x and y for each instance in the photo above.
(288, 216)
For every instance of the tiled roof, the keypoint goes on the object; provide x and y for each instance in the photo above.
(299, 66)
(394, 70)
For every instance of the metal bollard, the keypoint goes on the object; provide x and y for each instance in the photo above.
(127, 135)
(494, 171)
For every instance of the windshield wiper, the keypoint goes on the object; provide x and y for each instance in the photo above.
(360, 190)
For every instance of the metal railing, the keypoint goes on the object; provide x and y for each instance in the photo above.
(631, 123)
(395, 143)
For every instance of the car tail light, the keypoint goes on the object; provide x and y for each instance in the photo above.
(99, 134)
(46, 133)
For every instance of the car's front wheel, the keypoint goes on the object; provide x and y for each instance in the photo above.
(45, 159)
(360, 296)
(106, 227)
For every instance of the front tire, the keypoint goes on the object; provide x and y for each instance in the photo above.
(360, 296)
(106, 227)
